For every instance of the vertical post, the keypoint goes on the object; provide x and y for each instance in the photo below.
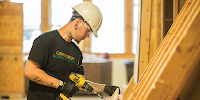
(128, 25)
(87, 42)
(162, 18)
(45, 15)
(145, 35)
(175, 9)
(155, 38)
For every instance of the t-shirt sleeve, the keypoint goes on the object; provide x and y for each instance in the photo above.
(39, 52)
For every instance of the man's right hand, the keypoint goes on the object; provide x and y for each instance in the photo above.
(68, 88)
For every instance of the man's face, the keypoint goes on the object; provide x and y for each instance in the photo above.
(84, 31)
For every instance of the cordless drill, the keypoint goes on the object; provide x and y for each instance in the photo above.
(81, 84)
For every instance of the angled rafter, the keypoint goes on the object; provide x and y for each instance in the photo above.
(169, 65)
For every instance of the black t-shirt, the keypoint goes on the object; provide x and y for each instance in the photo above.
(57, 58)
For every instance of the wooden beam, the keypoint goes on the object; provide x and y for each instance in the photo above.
(45, 13)
(162, 54)
(128, 25)
(175, 9)
(161, 50)
(183, 56)
(11, 37)
(145, 35)
(163, 19)
(130, 87)
(155, 37)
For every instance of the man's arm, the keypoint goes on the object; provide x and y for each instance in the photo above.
(33, 72)
(99, 88)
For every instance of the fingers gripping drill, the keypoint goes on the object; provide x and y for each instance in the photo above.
(81, 83)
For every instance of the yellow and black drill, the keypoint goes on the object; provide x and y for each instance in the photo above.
(81, 84)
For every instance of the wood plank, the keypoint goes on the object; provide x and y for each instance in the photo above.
(157, 68)
(11, 96)
(7, 8)
(11, 34)
(145, 35)
(45, 13)
(130, 87)
(187, 72)
(11, 73)
(155, 37)
(11, 22)
(128, 25)
(183, 56)
(10, 49)
(175, 26)
(175, 9)
(182, 18)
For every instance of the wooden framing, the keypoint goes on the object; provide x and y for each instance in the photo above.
(128, 25)
(45, 13)
(175, 9)
(11, 64)
(155, 34)
(130, 87)
(174, 60)
(145, 35)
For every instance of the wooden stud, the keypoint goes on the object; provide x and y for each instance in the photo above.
(11, 32)
(145, 35)
(45, 13)
(170, 44)
(130, 87)
(183, 57)
(128, 25)
(155, 37)
(11, 23)
(175, 9)
(175, 26)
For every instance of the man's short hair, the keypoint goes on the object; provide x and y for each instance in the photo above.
(75, 15)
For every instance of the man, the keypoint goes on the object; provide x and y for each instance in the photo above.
(54, 56)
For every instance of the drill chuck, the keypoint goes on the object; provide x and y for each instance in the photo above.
(87, 87)
(80, 82)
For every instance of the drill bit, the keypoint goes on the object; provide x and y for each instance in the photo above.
(99, 95)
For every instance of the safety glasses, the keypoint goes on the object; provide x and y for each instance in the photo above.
(88, 30)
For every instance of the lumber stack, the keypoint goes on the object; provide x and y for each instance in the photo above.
(174, 60)
(11, 64)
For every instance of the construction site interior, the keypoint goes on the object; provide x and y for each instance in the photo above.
(149, 48)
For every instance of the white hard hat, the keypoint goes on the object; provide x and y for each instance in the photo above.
(91, 14)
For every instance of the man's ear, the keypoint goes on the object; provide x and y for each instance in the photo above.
(77, 21)
(76, 26)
